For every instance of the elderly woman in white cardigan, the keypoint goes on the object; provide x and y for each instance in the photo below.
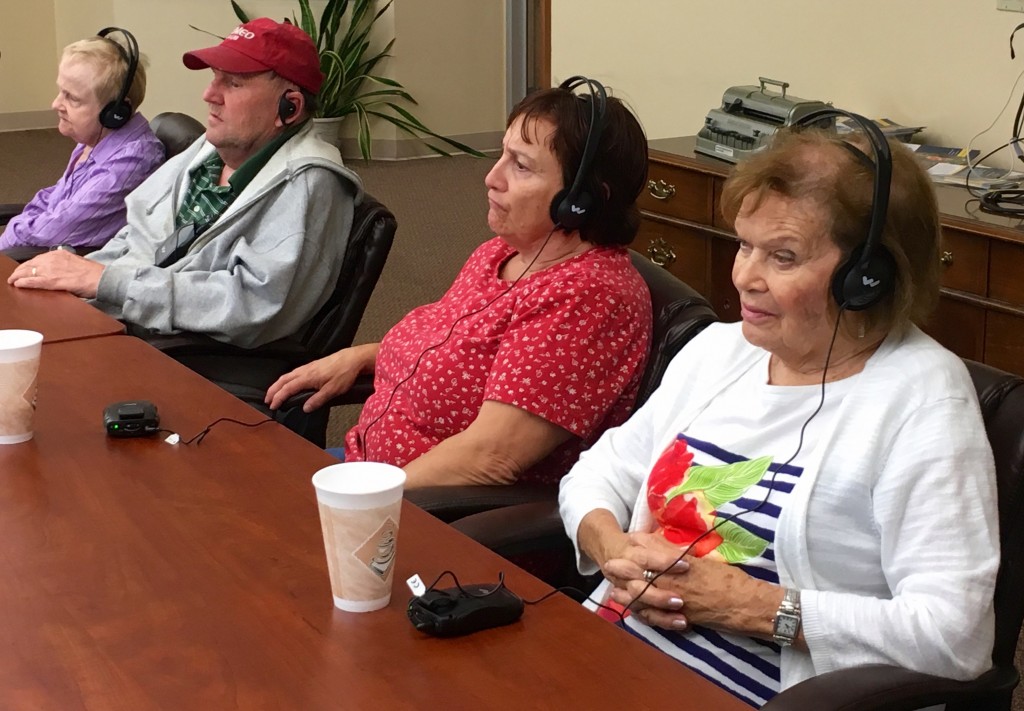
(825, 470)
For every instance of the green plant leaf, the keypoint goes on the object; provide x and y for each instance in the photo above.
(206, 32)
(738, 544)
(330, 22)
(239, 12)
(307, 23)
(364, 133)
(348, 60)
(723, 483)
(414, 130)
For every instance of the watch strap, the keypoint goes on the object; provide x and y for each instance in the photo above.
(788, 618)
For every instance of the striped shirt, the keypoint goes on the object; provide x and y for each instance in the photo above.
(751, 476)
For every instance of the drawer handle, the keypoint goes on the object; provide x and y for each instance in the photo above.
(661, 190)
(660, 252)
(946, 259)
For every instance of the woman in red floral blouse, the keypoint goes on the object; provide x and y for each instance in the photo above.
(539, 344)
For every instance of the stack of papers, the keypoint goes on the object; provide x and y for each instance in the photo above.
(950, 166)
(889, 128)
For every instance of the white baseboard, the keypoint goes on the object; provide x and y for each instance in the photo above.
(406, 148)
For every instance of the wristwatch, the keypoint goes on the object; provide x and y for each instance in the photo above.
(786, 625)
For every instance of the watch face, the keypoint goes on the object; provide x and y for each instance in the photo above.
(787, 625)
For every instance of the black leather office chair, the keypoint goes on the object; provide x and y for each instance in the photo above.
(248, 372)
(887, 688)
(175, 130)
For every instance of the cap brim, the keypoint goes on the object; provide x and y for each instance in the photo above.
(223, 58)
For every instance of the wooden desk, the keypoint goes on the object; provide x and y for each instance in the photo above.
(139, 575)
(981, 311)
(59, 316)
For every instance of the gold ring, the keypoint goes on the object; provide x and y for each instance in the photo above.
(33, 271)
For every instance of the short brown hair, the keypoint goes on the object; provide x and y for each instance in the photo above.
(812, 165)
(619, 170)
(111, 68)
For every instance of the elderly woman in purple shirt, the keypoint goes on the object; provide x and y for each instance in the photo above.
(86, 206)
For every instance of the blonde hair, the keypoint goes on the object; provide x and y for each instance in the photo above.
(109, 58)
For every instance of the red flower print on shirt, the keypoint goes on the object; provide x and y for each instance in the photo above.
(683, 499)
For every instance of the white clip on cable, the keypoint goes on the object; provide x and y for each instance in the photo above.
(416, 585)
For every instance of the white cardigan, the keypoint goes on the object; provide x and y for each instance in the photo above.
(891, 535)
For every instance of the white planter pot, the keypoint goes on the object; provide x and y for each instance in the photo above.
(329, 130)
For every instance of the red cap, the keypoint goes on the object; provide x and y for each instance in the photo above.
(263, 44)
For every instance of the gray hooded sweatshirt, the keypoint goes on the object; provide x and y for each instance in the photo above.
(260, 272)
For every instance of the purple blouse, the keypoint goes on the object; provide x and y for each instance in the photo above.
(86, 206)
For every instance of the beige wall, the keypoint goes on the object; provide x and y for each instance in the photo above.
(941, 63)
(449, 54)
(28, 60)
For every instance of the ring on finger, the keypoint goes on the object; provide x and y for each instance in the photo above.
(33, 271)
(649, 576)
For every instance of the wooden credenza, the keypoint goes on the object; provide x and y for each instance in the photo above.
(981, 310)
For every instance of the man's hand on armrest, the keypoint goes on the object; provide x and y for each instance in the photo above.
(330, 376)
(59, 271)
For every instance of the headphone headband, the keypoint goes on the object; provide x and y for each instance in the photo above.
(117, 112)
(571, 206)
(870, 272)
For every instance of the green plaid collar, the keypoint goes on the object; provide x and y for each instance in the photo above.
(205, 200)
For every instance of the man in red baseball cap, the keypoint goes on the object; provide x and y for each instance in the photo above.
(264, 45)
(241, 236)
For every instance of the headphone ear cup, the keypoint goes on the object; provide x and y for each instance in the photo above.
(286, 108)
(115, 114)
(571, 214)
(857, 287)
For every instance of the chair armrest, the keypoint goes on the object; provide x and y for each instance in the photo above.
(533, 537)
(9, 210)
(516, 529)
(449, 503)
(880, 687)
(23, 254)
(360, 391)
(198, 344)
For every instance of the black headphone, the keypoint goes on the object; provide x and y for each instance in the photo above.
(116, 114)
(572, 206)
(286, 108)
(869, 273)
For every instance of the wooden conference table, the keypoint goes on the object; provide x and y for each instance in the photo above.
(142, 575)
(59, 316)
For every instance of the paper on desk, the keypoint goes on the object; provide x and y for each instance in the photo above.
(942, 169)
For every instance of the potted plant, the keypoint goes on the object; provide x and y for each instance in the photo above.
(350, 86)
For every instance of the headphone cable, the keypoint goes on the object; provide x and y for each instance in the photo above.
(363, 435)
(771, 486)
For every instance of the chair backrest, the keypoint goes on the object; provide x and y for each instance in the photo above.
(1002, 405)
(335, 324)
(680, 313)
(176, 131)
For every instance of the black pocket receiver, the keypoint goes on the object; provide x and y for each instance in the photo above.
(457, 611)
(131, 418)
